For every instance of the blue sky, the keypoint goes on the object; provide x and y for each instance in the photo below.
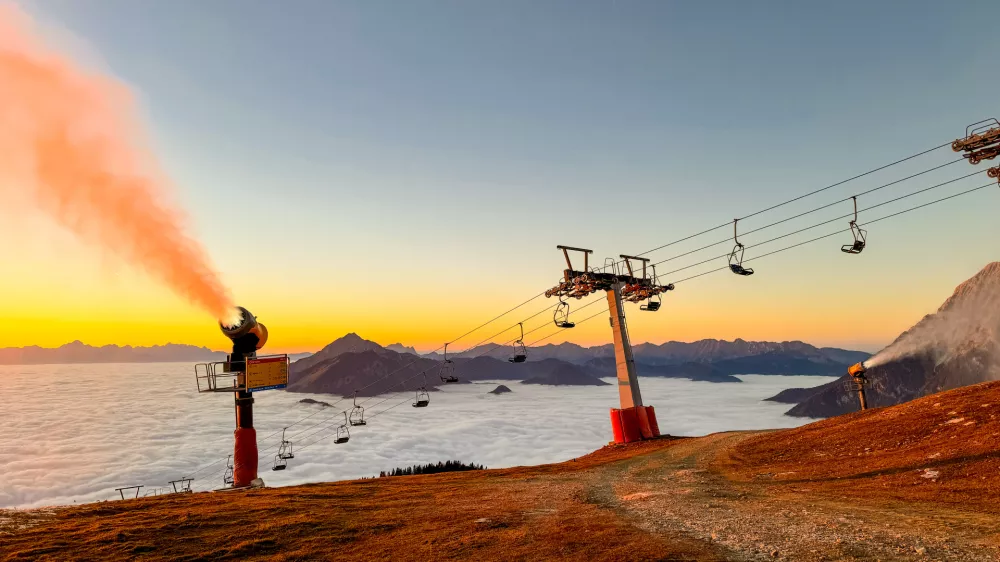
(434, 153)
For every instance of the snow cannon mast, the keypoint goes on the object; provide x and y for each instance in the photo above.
(858, 382)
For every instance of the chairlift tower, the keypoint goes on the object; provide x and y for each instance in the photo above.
(243, 373)
(634, 420)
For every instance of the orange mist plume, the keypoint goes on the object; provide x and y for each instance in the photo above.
(70, 143)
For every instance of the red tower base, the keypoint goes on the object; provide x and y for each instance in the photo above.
(245, 457)
(634, 424)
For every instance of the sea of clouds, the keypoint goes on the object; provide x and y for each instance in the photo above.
(74, 433)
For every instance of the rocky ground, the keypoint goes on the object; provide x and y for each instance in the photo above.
(917, 481)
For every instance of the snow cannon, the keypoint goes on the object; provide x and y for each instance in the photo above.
(858, 382)
(248, 335)
(243, 373)
(245, 325)
(857, 370)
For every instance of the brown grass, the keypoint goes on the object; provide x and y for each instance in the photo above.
(512, 514)
(943, 448)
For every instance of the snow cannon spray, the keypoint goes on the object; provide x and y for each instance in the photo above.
(858, 382)
(248, 335)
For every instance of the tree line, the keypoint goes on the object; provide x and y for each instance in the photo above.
(432, 468)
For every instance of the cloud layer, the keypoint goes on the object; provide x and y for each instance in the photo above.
(73, 433)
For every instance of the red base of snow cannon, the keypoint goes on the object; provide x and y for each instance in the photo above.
(634, 424)
(245, 457)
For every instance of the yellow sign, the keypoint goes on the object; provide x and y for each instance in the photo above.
(267, 373)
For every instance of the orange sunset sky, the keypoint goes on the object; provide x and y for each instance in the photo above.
(352, 178)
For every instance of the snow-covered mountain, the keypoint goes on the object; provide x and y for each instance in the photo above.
(956, 346)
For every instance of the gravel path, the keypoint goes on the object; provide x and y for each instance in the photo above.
(682, 490)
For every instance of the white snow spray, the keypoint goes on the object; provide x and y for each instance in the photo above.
(969, 319)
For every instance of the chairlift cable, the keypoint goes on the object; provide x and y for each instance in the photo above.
(800, 197)
(911, 194)
(839, 232)
(929, 150)
(495, 318)
(559, 331)
(820, 208)
(535, 329)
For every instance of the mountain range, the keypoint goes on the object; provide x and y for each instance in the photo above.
(956, 346)
(353, 363)
(79, 352)
(821, 360)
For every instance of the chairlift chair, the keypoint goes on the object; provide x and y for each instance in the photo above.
(447, 374)
(285, 449)
(343, 433)
(279, 463)
(422, 399)
(561, 315)
(654, 305)
(357, 416)
(651, 305)
(859, 234)
(520, 353)
(227, 477)
(736, 257)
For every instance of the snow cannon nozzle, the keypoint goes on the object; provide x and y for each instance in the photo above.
(242, 326)
(857, 370)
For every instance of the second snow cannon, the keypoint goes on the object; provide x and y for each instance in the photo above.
(858, 382)
(857, 370)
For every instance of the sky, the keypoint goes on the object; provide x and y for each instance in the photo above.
(404, 170)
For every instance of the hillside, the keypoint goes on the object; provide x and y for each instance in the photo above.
(350, 343)
(911, 482)
(79, 352)
(956, 346)
(344, 373)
